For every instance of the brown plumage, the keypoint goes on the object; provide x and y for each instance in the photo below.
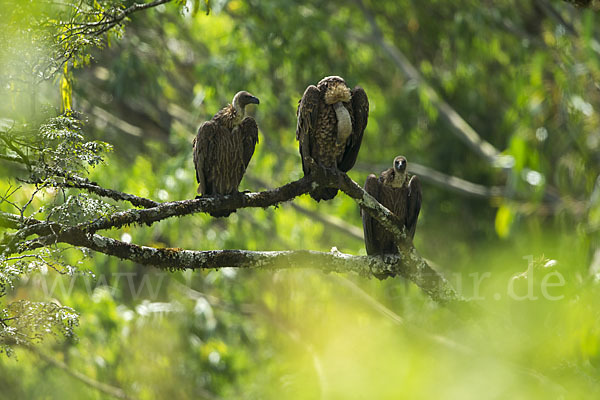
(402, 196)
(331, 123)
(223, 148)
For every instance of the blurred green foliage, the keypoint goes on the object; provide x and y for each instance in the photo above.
(524, 75)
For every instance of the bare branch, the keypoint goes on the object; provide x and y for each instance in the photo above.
(450, 182)
(204, 204)
(460, 127)
(326, 219)
(409, 264)
(73, 181)
(112, 391)
(77, 182)
(414, 269)
(9, 143)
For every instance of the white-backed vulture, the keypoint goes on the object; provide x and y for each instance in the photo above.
(400, 195)
(331, 122)
(223, 148)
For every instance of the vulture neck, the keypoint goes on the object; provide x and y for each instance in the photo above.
(399, 179)
(238, 112)
(344, 123)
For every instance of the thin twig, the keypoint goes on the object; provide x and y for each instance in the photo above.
(112, 391)
(460, 127)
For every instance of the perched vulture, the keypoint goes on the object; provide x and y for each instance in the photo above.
(397, 193)
(331, 122)
(223, 148)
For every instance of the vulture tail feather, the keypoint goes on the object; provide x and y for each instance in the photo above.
(323, 193)
(221, 214)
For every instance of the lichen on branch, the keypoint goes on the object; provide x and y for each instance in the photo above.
(408, 264)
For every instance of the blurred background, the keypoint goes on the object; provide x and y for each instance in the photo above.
(513, 207)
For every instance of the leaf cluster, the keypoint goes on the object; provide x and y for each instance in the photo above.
(31, 321)
(64, 146)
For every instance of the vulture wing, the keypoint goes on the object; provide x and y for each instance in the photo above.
(308, 114)
(360, 109)
(204, 157)
(372, 186)
(249, 131)
(414, 205)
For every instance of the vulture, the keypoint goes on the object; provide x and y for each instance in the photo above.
(223, 148)
(331, 122)
(400, 195)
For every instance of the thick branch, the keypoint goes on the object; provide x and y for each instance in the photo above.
(414, 268)
(409, 264)
(326, 219)
(204, 204)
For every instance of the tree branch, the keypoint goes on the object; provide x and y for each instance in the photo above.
(409, 264)
(112, 391)
(413, 268)
(203, 204)
(73, 181)
(460, 127)
(10, 158)
(445, 181)
(326, 219)
(77, 182)
(22, 158)
(110, 20)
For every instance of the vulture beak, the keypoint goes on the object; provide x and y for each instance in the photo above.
(400, 165)
(253, 100)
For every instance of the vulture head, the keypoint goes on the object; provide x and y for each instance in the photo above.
(336, 89)
(241, 100)
(400, 164)
(399, 171)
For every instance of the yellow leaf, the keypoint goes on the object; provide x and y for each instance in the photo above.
(66, 91)
(504, 220)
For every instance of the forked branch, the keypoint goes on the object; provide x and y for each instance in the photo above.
(409, 264)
